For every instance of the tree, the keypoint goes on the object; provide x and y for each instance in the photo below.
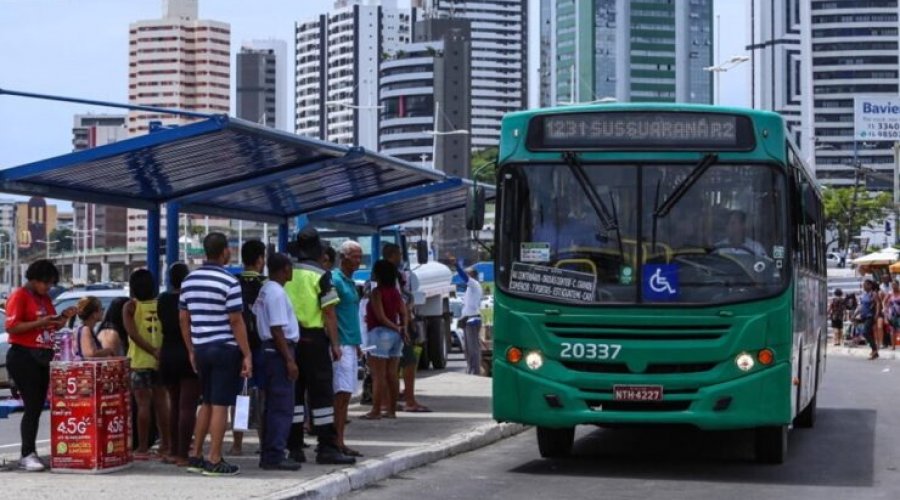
(64, 238)
(838, 202)
(484, 165)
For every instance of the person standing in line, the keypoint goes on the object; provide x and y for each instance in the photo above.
(350, 335)
(142, 324)
(892, 313)
(279, 333)
(386, 320)
(212, 325)
(175, 369)
(313, 299)
(412, 350)
(836, 311)
(87, 345)
(253, 257)
(30, 323)
(471, 317)
(112, 334)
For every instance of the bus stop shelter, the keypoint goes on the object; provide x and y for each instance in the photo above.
(232, 168)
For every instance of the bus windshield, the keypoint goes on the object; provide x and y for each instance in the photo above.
(596, 233)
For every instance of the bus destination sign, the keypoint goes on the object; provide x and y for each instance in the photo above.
(628, 130)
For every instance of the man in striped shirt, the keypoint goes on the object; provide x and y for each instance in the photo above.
(212, 325)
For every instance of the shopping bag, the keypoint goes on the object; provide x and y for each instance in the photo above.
(246, 409)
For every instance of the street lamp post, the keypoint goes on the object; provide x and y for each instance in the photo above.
(47, 245)
(435, 132)
(722, 67)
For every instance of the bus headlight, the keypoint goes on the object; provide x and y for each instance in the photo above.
(534, 360)
(744, 362)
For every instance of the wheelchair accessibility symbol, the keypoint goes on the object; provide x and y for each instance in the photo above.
(660, 282)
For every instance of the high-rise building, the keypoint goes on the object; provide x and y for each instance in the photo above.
(854, 49)
(102, 226)
(780, 73)
(426, 95)
(262, 83)
(337, 59)
(629, 50)
(499, 60)
(35, 221)
(178, 62)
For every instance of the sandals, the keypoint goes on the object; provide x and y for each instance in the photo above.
(366, 416)
(418, 409)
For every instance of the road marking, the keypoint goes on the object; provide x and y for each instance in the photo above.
(13, 445)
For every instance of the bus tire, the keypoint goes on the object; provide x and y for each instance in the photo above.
(771, 444)
(555, 443)
(806, 419)
(437, 342)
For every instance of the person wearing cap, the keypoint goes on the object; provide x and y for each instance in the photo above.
(313, 299)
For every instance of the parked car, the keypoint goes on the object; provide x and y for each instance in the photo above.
(833, 259)
(106, 296)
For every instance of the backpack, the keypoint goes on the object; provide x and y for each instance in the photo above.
(838, 306)
(250, 287)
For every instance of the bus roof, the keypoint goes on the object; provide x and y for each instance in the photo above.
(644, 106)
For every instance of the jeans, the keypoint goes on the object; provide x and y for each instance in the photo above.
(473, 345)
(279, 406)
(31, 375)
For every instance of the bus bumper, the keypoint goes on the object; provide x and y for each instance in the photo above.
(762, 398)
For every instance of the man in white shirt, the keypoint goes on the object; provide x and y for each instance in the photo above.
(279, 332)
(471, 317)
(737, 241)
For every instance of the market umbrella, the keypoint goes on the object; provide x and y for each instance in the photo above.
(884, 257)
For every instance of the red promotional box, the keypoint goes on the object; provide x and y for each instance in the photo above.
(90, 416)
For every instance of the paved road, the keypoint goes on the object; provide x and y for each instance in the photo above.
(854, 452)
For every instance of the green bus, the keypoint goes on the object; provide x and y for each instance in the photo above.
(656, 264)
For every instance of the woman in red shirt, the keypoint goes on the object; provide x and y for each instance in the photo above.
(386, 320)
(30, 323)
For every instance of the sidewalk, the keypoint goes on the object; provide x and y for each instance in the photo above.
(862, 351)
(461, 421)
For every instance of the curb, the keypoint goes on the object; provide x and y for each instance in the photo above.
(344, 481)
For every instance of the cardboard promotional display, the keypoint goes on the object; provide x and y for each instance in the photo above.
(90, 409)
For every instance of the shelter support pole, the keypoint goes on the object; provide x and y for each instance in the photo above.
(153, 237)
(283, 237)
(172, 237)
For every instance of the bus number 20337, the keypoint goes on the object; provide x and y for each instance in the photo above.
(589, 351)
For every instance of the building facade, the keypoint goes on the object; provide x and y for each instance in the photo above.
(178, 62)
(99, 226)
(499, 72)
(338, 56)
(854, 53)
(261, 94)
(627, 50)
(35, 221)
(426, 111)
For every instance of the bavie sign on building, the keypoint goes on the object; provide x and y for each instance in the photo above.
(876, 118)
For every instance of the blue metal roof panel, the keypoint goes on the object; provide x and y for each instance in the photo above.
(398, 211)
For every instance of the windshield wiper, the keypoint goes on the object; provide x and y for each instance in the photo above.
(678, 193)
(609, 220)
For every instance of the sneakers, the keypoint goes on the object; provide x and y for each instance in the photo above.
(222, 468)
(332, 456)
(196, 465)
(298, 456)
(287, 465)
(31, 463)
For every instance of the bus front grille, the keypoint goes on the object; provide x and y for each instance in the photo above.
(652, 368)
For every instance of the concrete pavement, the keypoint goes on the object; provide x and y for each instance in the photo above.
(461, 421)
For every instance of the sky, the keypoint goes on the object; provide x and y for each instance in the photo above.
(79, 48)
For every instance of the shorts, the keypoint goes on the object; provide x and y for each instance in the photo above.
(219, 369)
(345, 370)
(145, 379)
(836, 323)
(387, 343)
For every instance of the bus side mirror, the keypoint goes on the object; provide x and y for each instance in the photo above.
(422, 252)
(475, 197)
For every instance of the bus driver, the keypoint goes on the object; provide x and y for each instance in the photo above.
(737, 241)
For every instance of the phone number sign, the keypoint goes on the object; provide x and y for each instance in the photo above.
(876, 118)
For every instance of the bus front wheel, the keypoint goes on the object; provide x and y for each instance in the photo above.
(771, 444)
(806, 419)
(555, 443)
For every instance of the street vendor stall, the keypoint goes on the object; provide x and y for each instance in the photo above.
(877, 262)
